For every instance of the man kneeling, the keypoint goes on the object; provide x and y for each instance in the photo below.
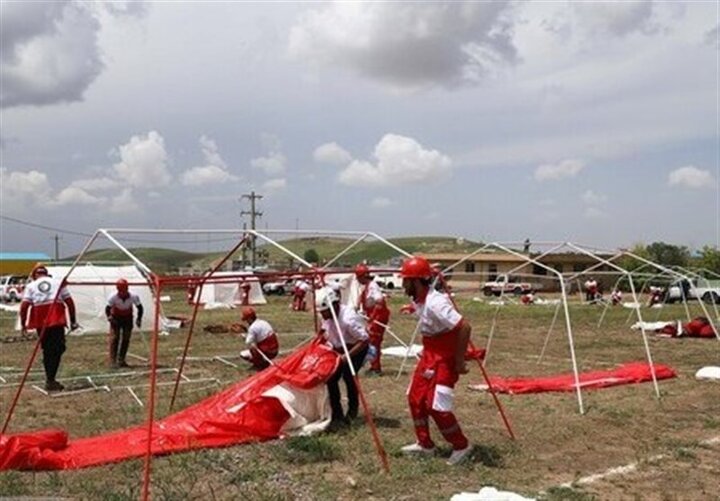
(261, 340)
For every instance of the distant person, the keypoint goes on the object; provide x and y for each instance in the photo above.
(591, 290)
(119, 312)
(300, 290)
(245, 293)
(47, 299)
(616, 297)
(445, 336)
(261, 340)
(353, 335)
(373, 306)
(527, 298)
(657, 294)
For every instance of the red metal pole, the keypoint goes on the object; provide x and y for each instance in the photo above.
(371, 423)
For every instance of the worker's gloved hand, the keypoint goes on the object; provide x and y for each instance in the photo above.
(407, 309)
(74, 326)
(138, 322)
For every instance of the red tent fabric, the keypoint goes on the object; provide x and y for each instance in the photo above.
(636, 372)
(237, 415)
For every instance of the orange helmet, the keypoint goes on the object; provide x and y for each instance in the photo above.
(416, 267)
(248, 313)
(362, 270)
(38, 270)
(122, 285)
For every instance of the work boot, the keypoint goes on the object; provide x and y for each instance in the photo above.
(53, 386)
(337, 425)
(459, 455)
(123, 364)
(416, 448)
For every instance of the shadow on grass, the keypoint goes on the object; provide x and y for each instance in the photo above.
(383, 422)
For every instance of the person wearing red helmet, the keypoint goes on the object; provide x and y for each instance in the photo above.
(261, 340)
(46, 300)
(445, 335)
(372, 305)
(119, 312)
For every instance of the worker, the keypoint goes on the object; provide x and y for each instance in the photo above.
(261, 340)
(373, 306)
(46, 299)
(445, 336)
(342, 325)
(119, 312)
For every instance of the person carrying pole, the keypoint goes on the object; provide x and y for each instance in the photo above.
(46, 300)
(119, 312)
(445, 334)
(373, 306)
(349, 330)
(261, 340)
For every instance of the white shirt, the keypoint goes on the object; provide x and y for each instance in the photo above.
(351, 326)
(372, 296)
(258, 331)
(123, 307)
(437, 315)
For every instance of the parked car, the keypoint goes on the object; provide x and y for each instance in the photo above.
(505, 284)
(11, 287)
(389, 281)
(278, 287)
(707, 290)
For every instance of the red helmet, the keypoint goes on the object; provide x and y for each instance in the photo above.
(122, 285)
(362, 270)
(247, 314)
(416, 267)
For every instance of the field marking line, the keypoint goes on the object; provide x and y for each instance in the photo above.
(628, 468)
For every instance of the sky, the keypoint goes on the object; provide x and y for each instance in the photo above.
(591, 122)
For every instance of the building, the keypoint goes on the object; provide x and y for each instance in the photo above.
(20, 263)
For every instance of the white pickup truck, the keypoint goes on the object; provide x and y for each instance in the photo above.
(707, 290)
(505, 284)
(11, 288)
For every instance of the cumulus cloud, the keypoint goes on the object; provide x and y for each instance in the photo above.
(72, 195)
(274, 185)
(615, 18)
(50, 51)
(399, 160)
(691, 177)
(331, 153)
(18, 188)
(274, 163)
(592, 198)
(408, 44)
(215, 170)
(552, 172)
(381, 202)
(144, 161)
(95, 184)
(124, 202)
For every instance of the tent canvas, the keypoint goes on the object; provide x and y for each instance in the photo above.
(90, 300)
(230, 293)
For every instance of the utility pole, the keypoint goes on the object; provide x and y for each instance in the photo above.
(57, 247)
(254, 214)
(244, 248)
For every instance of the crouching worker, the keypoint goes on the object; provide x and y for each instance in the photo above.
(261, 340)
(119, 312)
(445, 336)
(353, 334)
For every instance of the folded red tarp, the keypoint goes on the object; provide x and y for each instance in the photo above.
(625, 374)
(236, 415)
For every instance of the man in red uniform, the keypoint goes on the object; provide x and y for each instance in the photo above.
(261, 340)
(119, 312)
(373, 306)
(46, 298)
(445, 336)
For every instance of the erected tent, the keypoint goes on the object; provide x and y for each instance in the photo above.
(90, 300)
(229, 293)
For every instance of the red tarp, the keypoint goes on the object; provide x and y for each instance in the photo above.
(637, 372)
(237, 415)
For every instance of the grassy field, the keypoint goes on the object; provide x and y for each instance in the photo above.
(555, 445)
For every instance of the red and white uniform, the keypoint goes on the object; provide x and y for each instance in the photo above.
(431, 388)
(261, 337)
(352, 328)
(300, 289)
(372, 303)
(122, 308)
(40, 294)
(616, 297)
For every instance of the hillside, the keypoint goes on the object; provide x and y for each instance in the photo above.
(169, 260)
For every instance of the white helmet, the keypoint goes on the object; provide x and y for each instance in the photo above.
(324, 298)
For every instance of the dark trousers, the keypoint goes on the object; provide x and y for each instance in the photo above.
(53, 346)
(121, 330)
(333, 386)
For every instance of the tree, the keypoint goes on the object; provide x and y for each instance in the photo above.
(668, 254)
(311, 256)
(710, 259)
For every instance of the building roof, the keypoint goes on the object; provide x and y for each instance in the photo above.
(23, 256)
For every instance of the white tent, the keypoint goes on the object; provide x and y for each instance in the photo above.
(90, 300)
(227, 291)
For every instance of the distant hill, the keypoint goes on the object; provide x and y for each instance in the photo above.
(169, 260)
